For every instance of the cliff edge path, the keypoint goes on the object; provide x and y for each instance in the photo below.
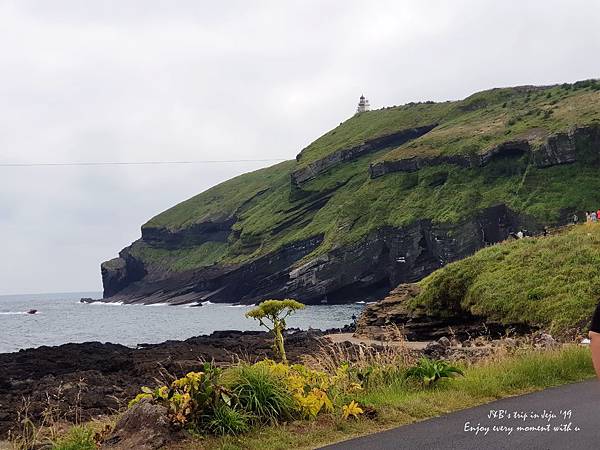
(557, 418)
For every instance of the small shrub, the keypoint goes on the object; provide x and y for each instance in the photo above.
(271, 314)
(78, 438)
(192, 398)
(429, 371)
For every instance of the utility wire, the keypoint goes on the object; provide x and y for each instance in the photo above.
(139, 163)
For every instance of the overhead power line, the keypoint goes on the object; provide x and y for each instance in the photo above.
(137, 163)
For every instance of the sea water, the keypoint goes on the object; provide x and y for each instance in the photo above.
(61, 318)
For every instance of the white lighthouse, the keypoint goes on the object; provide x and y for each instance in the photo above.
(363, 105)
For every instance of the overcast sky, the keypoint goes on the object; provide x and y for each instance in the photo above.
(169, 80)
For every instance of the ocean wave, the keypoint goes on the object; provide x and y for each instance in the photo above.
(240, 306)
(18, 313)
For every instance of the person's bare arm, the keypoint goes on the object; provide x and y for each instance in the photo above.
(595, 348)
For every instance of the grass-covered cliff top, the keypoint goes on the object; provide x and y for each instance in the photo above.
(551, 282)
(476, 123)
(489, 118)
(343, 204)
(372, 124)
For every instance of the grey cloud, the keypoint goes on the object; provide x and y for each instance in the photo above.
(161, 80)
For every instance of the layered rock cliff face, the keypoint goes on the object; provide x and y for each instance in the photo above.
(560, 148)
(312, 170)
(367, 269)
(386, 198)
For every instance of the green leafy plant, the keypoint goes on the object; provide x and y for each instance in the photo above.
(192, 398)
(312, 390)
(271, 314)
(429, 371)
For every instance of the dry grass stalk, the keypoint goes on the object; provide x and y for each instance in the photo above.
(331, 356)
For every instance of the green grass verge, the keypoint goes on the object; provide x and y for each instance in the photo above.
(399, 404)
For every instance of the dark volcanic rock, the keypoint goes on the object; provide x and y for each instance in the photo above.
(101, 378)
(145, 426)
(392, 314)
(413, 164)
(119, 272)
(365, 270)
(578, 144)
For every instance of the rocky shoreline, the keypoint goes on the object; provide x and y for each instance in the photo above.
(93, 378)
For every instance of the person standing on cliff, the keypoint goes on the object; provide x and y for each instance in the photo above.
(594, 335)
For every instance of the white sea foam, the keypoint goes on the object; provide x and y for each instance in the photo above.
(362, 302)
(240, 306)
(196, 304)
(104, 303)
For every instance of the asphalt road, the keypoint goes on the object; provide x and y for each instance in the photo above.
(576, 425)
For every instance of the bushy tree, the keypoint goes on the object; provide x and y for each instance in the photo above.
(271, 314)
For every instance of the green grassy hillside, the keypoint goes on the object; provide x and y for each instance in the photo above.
(551, 282)
(343, 204)
(221, 202)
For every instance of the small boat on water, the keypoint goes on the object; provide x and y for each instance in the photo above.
(32, 311)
